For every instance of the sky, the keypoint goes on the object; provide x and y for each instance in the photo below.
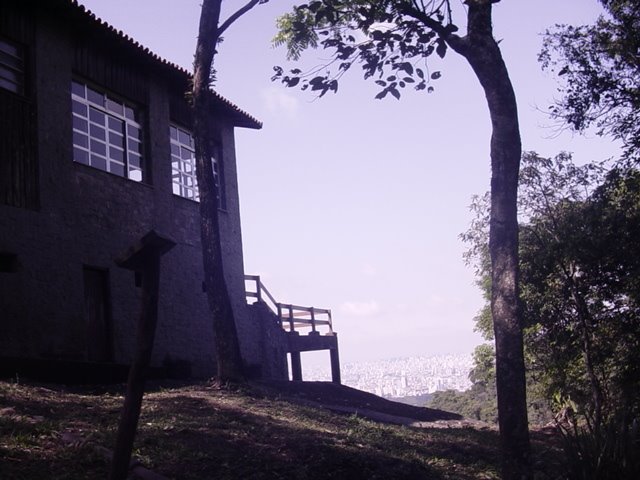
(356, 204)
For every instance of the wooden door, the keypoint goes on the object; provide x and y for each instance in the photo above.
(97, 315)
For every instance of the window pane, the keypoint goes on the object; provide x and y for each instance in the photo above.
(130, 113)
(133, 132)
(9, 48)
(186, 154)
(10, 75)
(98, 148)
(116, 139)
(97, 132)
(95, 97)
(79, 108)
(81, 156)
(115, 124)
(80, 140)
(133, 146)
(134, 160)
(116, 154)
(114, 106)
(173, 133)
(11, 66)
(184, 137)
(98, 162)
(8, 85)
(77, 89)
(96, 116)
(116, 168)
(80, 123)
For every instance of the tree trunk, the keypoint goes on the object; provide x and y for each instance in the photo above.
(586, 325)
(483, 54)
(229, 360)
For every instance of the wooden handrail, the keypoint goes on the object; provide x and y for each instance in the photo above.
(289, 315)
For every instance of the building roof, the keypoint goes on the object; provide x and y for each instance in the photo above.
(92, 21)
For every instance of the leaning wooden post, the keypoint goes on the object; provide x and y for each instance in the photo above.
(144, 258)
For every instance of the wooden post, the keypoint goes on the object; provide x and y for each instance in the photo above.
(291, 325)
(335, 363)
(313, 320)
(258, 289)
(296, 367)
(143, 257)
(279, 314)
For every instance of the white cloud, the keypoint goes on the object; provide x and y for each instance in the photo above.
(360, 309)
(277, 101)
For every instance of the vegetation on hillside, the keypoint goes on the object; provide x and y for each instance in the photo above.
(205, 431)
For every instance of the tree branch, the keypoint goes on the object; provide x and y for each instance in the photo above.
(454, 41)
(227, 23)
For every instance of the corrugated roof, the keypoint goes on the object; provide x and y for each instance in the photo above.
(243, 119)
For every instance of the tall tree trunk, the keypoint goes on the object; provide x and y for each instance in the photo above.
(229, 360)
(483, 54)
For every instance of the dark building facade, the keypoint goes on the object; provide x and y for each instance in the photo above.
(95, 151)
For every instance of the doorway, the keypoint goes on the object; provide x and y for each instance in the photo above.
(97, 314)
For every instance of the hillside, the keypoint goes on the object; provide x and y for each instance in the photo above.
(313, 430)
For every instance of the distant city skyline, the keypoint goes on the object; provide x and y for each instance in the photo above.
(403, 377)
(355, 204)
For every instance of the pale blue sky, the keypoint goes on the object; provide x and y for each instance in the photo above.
(356, 204)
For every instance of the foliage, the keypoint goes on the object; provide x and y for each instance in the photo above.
(579, 277)
(580, 273)
(600, 71)
(390, 39)
(609, 454)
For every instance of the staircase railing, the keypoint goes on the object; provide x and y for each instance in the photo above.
(291, 317)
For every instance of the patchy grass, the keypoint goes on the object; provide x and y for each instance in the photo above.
(204, 431)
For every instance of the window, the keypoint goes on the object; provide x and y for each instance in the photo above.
(11, 66)
(107, 134)
(183, 167)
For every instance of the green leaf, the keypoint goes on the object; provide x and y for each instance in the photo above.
(441, 49)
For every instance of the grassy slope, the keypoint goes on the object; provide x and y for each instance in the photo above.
(203, 431)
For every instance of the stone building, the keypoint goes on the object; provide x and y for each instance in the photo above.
(95, 151)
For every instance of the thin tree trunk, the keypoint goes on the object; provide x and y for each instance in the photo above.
(483, 54)
(585, 327)
(229, 360)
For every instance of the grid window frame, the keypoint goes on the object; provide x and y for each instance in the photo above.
(183, 167)
(107, 132)
(13, 66)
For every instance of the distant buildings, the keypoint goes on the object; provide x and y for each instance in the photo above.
(404, 377)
